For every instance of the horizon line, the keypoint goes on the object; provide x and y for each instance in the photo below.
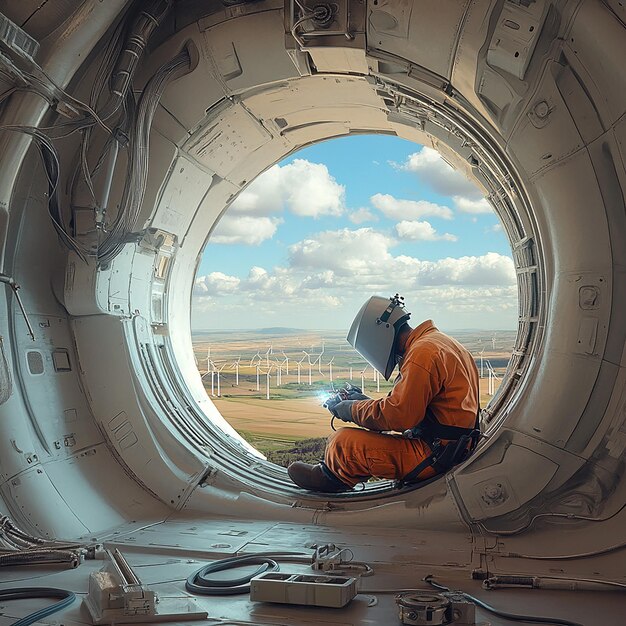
(213, 330)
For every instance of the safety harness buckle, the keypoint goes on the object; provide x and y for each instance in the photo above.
(462, 442)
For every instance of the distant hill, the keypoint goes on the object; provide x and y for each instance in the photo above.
(279, 330)
(274, 330)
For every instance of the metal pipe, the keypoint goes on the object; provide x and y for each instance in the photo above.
(61, 54)
(7, 280)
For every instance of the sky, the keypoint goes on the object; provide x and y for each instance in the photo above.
(313, 237)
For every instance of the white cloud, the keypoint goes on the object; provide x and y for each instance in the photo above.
(362, 260)
(431, 168)
(421, 231)
(466, 300)
(398, 209)
(346, 252)
(496, 228)
(329, 274)
(489, 269)
(301, 187)
(216, 284)
(469, 205)
(349, 263)
(359, 216)
(244, 229)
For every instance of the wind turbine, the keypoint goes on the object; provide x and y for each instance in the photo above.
(310, 366)
(286, 362)
(218, 372)
(267, 392)
(330, 369)
(212, 366)
(363, 379)
(482, 372)
(300, 365)
(254, 358)
(493, 341)
(492, 379)
(319, 359)
(236, 368)
(270, 350)
(206, 374)
(279, 373)
(258, 374)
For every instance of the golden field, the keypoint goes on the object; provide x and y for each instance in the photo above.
(294, 410)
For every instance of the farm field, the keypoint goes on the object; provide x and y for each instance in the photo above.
(241, 368)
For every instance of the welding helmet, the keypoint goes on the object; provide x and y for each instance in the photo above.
(374, 331)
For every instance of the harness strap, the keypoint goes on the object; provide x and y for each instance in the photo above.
(435, 430)
(444, 457)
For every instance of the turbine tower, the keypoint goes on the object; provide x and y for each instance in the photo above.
(236, 368)
(267, 387)
(279, 373)
(219, 371)
(212, 379)
(363, 379)
(300, 365)
(310, 367)
(319, 359)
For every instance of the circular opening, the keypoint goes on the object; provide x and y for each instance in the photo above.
(297, 253)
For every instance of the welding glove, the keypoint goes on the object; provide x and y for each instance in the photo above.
(343, 410)
(357, 395)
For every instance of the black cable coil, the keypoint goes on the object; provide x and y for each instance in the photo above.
(199, 582)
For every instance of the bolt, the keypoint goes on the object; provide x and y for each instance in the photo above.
(542, 110)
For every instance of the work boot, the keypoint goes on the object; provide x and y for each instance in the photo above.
(316, 478)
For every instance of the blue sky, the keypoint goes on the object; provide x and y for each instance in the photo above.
(332, 224)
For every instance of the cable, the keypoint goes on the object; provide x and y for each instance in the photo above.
(30, 593)
(50, 159)
(536, 582)
(200, 583)
(303, 7)
(137, 164)
(584, 518)
(563, 557)
(514, 617)
(295, 26)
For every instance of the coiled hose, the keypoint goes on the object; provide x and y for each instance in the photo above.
(200, 583)
(30, 593)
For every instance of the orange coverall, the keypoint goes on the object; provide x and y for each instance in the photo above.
(437, 373)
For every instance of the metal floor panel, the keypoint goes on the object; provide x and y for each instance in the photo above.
(165, 553)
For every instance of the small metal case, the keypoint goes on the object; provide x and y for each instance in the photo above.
(305, 589)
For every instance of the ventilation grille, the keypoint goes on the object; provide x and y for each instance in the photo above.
(34, 360)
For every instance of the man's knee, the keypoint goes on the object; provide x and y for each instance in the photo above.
(337, 441)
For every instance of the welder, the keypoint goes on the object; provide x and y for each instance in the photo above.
(427, 423)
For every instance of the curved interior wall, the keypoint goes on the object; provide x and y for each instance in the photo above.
(128, 432)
